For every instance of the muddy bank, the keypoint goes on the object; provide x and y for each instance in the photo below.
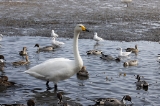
(111, 20)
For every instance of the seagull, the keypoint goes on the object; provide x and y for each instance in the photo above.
(96, 38)
(56, 43)
(123, 54)
(53, 34)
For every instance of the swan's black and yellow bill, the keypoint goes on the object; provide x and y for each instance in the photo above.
(84, 29)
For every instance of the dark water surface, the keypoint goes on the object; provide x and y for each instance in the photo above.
(77, 91)
(110, 18)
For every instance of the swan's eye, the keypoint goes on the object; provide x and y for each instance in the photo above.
(79, 26)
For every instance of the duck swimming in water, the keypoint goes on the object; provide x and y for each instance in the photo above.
(47, 48)
(113, 101)
(94, 52)
(19, 63)
(23, 52)
(133, 50)
(110, 58)
(130, 63)
(141, 83)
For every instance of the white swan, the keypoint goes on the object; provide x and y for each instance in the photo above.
(58, 69)
(53, 34)
(123, 54)
(96, 38)
(56, 43)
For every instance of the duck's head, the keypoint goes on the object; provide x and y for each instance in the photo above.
(119, 48)
(30, 102)
(127, 97)
(125, 64)
(2, 57)
(24, 48)
(136, 46)
(4, 78)
(36, 45)
(80, 28)
(83, 68)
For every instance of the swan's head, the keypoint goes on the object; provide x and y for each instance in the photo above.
(36, 45)
(80, 28)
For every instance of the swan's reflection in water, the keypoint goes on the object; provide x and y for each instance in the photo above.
(49, 98)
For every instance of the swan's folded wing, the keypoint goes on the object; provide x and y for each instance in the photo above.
(52, 68)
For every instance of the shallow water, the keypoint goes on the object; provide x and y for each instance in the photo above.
(77, 91)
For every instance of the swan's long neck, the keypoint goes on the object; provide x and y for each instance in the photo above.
(77, 56)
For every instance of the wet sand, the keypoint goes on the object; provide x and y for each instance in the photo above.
(112, 20)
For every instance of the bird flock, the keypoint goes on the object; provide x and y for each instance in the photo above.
(59, 69)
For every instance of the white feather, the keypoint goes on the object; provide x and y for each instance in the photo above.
(56, 43)
(96, 38)
(53, 34)
(123, 53)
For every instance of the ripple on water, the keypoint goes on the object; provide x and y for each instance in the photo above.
(106, 78)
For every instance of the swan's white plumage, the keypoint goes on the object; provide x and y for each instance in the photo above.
(53, 34)
(58, 69)
(97, 38)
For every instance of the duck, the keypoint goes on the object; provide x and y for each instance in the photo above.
(97, 38)
(83, 72)
(47, 48)
(123, 54)
(59, 96)
(141, 83)
(130, 63)
(134, 50)
(23, 52)
(53, 34)
(94, 52)
(19, 63)
(2, 59)
(58, 69)
(4, 82)
(113, 101)
(30, 102)
(126, 1)
(56, 43)
(109, 58)
(2, 63)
